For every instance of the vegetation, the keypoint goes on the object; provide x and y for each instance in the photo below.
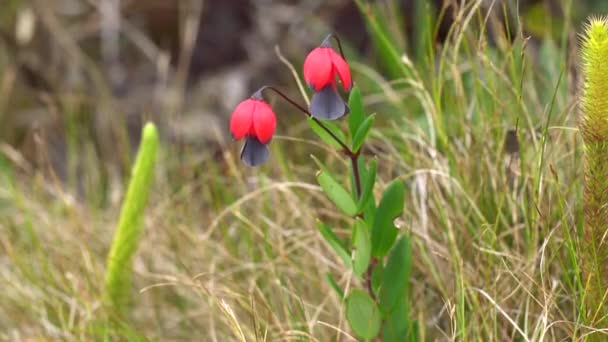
(481, 131)
(594, 125)
(128, 232)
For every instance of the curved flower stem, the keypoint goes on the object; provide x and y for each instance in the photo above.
(353, 156)
(342, 144)
(337, 39)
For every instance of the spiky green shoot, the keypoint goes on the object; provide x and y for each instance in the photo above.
(594, 128)
(128, 233)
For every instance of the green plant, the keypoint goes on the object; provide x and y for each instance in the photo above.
(373, 251)
(377, 256)
(129, 229)
(494, 213)
(594, 129)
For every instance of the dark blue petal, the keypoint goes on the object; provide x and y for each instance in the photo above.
(254, 153)
(327, 104)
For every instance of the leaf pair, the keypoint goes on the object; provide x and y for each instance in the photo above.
(366, 317)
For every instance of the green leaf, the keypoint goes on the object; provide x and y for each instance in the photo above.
(362, 132)
(386, 48)
(369, 210)
(396, 275)
(363, 247)
(396, 324)
(414, 331)
(336, 192)
(377, 277)
(384, 231)
(363, 314)
(423, 32)
(335, 243)
(334, 284)
(324, 135)
(368, 186)
(356, 116)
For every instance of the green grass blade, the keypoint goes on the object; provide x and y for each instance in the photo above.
(386, 49)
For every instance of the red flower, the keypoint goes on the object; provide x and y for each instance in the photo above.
(254, 120)
(321, 67)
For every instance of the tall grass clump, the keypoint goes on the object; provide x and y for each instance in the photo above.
(594, 128)
(128, 232)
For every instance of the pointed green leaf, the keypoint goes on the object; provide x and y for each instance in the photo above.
(356, 116)
(362, 132)
(368, 185)
(386, 48)
(423, 32)
(324, 135)
(336, 192)
(396, 324)
(334, 284)
(377, 277)
(396, 275)
(369, 210)
(363, 247)
(363, 314)
(335, 243)
(384, 231)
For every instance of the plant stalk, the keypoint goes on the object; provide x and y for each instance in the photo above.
(130, 225)
(594, 129)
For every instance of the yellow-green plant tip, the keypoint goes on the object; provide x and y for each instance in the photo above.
(150, 132)
(595, 72)
(128, 232)
(594, 130)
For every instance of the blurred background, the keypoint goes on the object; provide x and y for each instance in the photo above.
(82, 75)
(78, 78)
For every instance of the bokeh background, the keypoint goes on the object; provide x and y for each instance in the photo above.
(106, 65)
(230, 251)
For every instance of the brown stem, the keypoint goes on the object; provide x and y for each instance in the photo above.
(368, 277)
(354, 159)
(337, 39)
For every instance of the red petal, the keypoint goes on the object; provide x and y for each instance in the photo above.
(264, 122)
(242, 119)
(341, 68)
(318, 68)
